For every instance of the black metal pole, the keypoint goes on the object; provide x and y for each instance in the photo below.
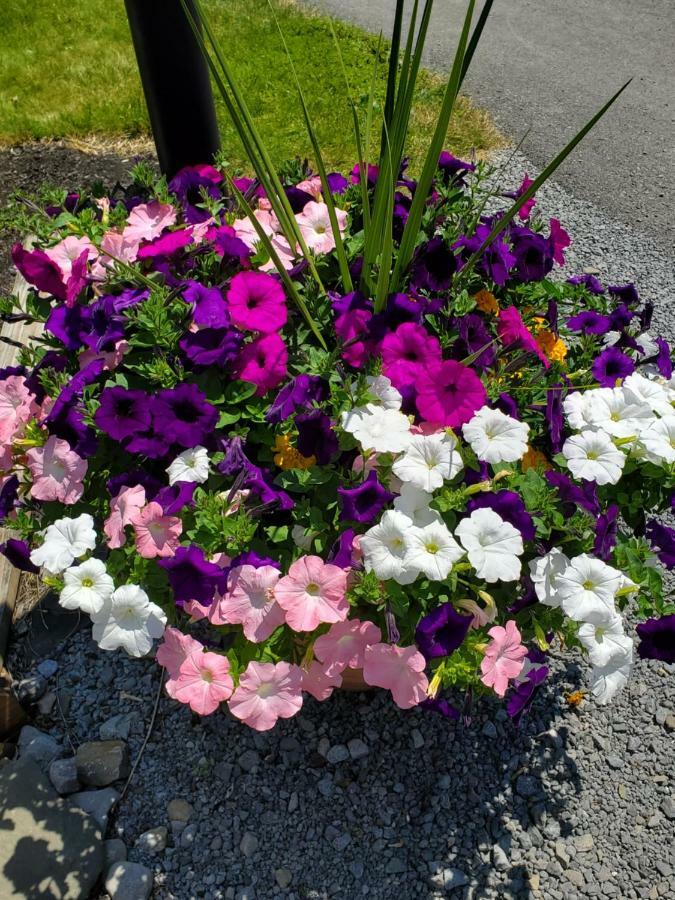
(176, 83)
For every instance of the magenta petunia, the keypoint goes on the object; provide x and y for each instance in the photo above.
(263, 363)
(256, 302)
(514, 333)
(449, 394)
(408, 350)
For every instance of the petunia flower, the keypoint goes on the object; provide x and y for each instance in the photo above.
(312, 592)
(86, 587)
(559, 240)
(148, 220)
(592, 456)
(318, 682)
(611, 366)
(299, 394)
(128, 620)
(17, 407)
(376, 428)
(157, 535)
(495, 437)
(184, 416)
(203, 682)
(509, 505)
(191, 465)
(449, 394)
(67, 251)
(657, 638)
(607, 642)
(316, 436)
(432, 550)
(65, 541)
(250, 601)
(364, 502)
(192, 576)
(57, 472)
(429, 461)
(399, 670)
(414, 503)
(123, 413)
(384, 548)
(587, 588)
(175, 649)
(657, 441)
(503, 659)
(514, 333)
(607, 681)
(544, 572)
(257, 302)
(316, 228)
(662, 539)
(442, 631)
(263, 363)
(344, 645)
(124, 510)
(407, 351)
(383, 392)
(266, 693)
(493, 545)
(618, 413)
(434, 265)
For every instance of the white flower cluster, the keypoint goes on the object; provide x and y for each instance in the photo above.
(585, 589)
(637, 418)
(121, 618)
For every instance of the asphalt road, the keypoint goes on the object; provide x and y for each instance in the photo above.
(547, 66)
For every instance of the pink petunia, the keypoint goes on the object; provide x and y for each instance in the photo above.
(311, 186)
(315, 226)
(250, 602)
(344, 644)
(449, 394)
(257, 302)
(148, 220)
(111, 358)
(267, 692)
(67, 251)
(311, 593)
(399, 670)
(124, 510)
(560, 240)
(17, 406)
(263, 363)
(526, 208)
(157, 535)
(57, 472)
(115, 247)
(203, 682)
(318, 682)
(175, 649)
(351, 326)
(407, 351)
(503, 659)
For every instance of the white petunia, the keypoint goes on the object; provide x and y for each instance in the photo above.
(64, 542)
(578, 410)
(495, 437)
(190, 465)
(607, 681)
(587, 589)
(384, 391)
(544, 572)
(592, 456)
(429, 460)
(302, 537)
(493, 545)
(384, 548)
(606, 643)
(657, 443)
(129, 620)
(379, 429)
(618, 413)
(432, 550)
(414, 503)
(87, 587)
(646, 390)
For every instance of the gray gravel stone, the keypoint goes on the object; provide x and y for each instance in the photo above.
(249, 760)
(248, 844)
(40, 747)
(29, 690)
(47, 667)
(99, 763)
(668, 808)
(63, 775)
(153, 841)
(97, 803)
(358, 749)
(337, 754)
(179, 810)
(116, 728)
(114, 850)
(283, 877)
(128, 881)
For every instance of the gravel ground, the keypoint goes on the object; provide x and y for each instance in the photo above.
(355, 798)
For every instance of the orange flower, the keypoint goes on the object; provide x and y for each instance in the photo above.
(534, 459)
(554, 348)
(487, 302)
(287, 457)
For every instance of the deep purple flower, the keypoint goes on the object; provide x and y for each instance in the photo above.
(365, 502)
(234, 460)
(300, 393)
(534, 259)
(148, 481)
(341, 551)
(474, 337)
(605, 533)
(509, 506)
(590, 282)
(621, 317)
(123, 413)
(209, 307)
(337, 182)
(442, 631)
(106, 326)
(645, 316)
(664, 362)
(495, 261)
(69, 325)
(53, 361)
(260, 482)
(184, 415)
(9, 496)
(657, 639)
(217, 347)
(527, 597)
(662, 539)
(298, 198)
(573, 495)
(507, 405)
(452, 169)
(588, 321)
(522, 696)
(371, 178)
(442, 706)
(226, 243)
(626, 292)
(554, 417)
(128, 297)
(176, 497)
(316, 436)
(251, 558)
(551, 315)
(190, 184)
(18, 554)
(610, 366)
(68, 423)
(151, 443)
(434, 265)
(192, 576)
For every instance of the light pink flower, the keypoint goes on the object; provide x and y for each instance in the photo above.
(318, 682)
(503, 658)
(283, 250)
(203, 682)
(68, 250)
(115, 247)
(111, 358)
(148, 220)
(57, 472)
(267, 692)
(311, 186)
(17, 406)
(311, 593)
(156, 534)
(175, 649)
(124, 510)
(246, 232)
(344, 644)
(400, 670)
(250, 602)
(315, 226)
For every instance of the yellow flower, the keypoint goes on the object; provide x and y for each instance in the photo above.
(287, 457)
(534, 459)
(487, 302)
(551, 346)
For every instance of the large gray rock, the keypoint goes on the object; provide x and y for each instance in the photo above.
(41, 748)
(99, 763)
(128, 881)
(48, 849)
(63, 775)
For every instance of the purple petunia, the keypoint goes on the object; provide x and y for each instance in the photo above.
(610, 366)
(495, 261)
(662, 539)
(657, 639)
(217, 347)
(192, 576)
(17, 553)
(184, 415)
(433, 266)
(474, 338)
(209, 308)
(588, 321)
(342, 550)
(300, 393)
(573, 495)
(590, 282)
(453, 170)
(189, 185)
(364, 502)
(442, 706)
(605, 532)
(554, 417)
(524, 692)
(442, 631)
(316, 436)
(123, 413)
(176, 497)
(532, 252)
(9, 496)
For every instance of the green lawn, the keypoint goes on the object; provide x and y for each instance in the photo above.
(67, 69)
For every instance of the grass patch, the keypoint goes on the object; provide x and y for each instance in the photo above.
(67, 70)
